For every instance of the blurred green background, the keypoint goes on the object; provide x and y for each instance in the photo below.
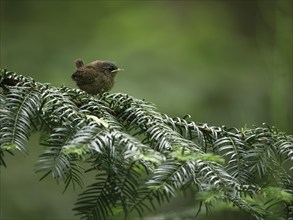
(223, 62)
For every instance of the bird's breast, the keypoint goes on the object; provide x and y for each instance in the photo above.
(99, 85)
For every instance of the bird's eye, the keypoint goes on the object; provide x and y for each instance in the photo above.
(111, 68)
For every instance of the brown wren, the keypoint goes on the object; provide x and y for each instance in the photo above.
(96, 77)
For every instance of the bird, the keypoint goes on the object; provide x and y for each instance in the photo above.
(96, 77)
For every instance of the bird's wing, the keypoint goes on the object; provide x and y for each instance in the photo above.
(84, 75)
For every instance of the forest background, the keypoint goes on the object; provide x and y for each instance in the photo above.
(223, 62)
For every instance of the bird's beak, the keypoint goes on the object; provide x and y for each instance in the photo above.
(117, 70)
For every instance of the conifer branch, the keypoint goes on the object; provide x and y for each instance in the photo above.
(140, 157)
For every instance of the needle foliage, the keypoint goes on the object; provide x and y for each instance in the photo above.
(140, 157)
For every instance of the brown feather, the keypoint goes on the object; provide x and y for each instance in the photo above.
(95, 77)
